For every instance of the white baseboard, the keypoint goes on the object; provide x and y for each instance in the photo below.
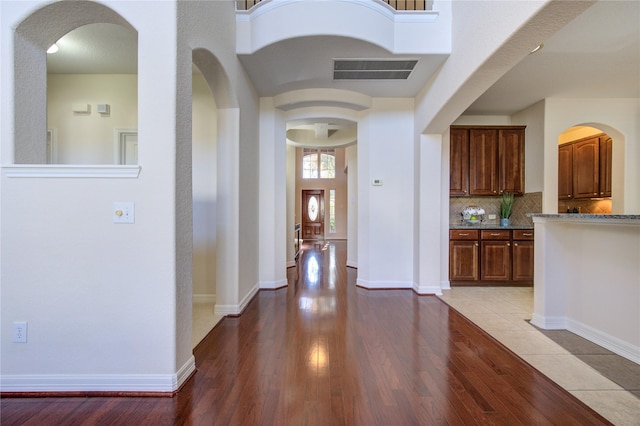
(98, 382)
(272, 285)
(204, 298)
(384, 284)
(428, 289)
(549, 323)
(225, 310)
(445, 285)
(615, 345)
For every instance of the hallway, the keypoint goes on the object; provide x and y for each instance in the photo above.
(324, 351)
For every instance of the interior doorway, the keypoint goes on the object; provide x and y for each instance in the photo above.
(312, 214)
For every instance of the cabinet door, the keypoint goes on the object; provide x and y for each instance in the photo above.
(511, 161)
(565, 172)
(463, 260)
(606, 149)
(586, 168)
(459, 162)
(483, 162)
(522, 265)
(495, 260)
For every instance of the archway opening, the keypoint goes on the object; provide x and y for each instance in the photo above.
(589, 170)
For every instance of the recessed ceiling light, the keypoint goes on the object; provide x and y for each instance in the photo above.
(53, 48)
(537, 48)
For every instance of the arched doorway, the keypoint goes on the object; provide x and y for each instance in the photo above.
(587, 170)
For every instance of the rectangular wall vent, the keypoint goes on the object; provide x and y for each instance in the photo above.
(377, 69)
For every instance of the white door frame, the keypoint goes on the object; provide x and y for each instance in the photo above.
(120, 137)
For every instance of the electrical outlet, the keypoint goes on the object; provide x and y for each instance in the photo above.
(492, 217)
(20, 332)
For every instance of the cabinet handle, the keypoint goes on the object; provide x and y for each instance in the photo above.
(601, 193)
(515, 244)
(463, 235)
(476, 244)
(495, 192)
(568, 196)
(526, 234)
(509, 244)
(495, 235)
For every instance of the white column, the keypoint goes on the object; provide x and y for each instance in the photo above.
(272, 231)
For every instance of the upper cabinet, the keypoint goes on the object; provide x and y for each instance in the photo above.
(584, 168)
(459, 162)
(486, 160)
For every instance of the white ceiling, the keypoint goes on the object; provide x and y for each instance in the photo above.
(597, 55)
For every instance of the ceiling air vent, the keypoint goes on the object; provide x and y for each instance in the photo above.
(377, 69)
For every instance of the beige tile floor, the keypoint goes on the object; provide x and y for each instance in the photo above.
(503, 312)
(203, 321)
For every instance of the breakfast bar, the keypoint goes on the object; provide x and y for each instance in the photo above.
(587, 278)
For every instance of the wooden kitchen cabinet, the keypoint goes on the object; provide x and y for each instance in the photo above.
(490, 257)
(459, 162)
(495, 255)
(483, 162)
(565, 172)
(522, 256)
(511, 160)
(486, 160)
(586, 168)
(606, 150)
(463, 255)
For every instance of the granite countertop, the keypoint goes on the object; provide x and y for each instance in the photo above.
(588, 216)
(485, 225)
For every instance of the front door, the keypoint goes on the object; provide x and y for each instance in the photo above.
(313, 214)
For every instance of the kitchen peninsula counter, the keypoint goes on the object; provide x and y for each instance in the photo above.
(487, 226)
(587, 278)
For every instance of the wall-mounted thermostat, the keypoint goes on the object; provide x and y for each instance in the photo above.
(376, 182)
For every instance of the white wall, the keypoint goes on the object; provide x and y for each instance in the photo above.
(89, 138)
(204, 190)
(99, 298)
(352, 206)
(386, 151)
(533, 118)
(587, 281)
(110, 305)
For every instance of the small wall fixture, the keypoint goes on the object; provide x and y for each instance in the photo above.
(78, 107)
(537, 48)
(104, 108)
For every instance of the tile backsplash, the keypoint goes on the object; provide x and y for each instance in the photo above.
(586, 206)
(528, 203)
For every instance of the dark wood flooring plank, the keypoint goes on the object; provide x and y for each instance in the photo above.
(323, 351)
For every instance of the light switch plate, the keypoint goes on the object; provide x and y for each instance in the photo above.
(123, 212)
(376, 182)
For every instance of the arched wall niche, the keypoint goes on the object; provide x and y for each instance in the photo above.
(216, 78)
(618, 166)
(32, 38)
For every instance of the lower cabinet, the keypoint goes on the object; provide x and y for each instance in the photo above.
(522, 256)
(490, 257)
(463, 255)
(495, 255)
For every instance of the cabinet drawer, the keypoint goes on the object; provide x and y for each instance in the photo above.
(495, 234)
(463, 234)
(523, 234)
